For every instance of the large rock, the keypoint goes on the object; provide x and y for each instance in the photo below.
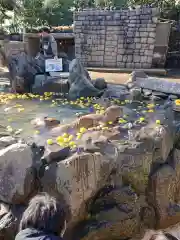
(129, 205)
(7, 141)
(89, 173)
(162, 193)
(97, 141)
(116, 91)
(160, 85)
(57, 181)
(109, 182)
(76, 179)
(134, 162)
(17, 173)
(161, 136)
(80, 83)
(22, 69)
(55, 153)
(9, 220)
(122, 205)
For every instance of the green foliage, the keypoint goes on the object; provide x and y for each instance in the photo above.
(168, 8)
(162, 4)
(100, 3)
(58, 12)
(35, 13)
(32, 14)
(7, 5)
(120, 3)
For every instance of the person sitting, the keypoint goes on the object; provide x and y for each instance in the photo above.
(44, 219)
(48, 48)
(48, 44)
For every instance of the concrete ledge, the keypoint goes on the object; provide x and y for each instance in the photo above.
(61, 35)
(152, 71)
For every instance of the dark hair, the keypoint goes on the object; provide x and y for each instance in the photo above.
(44, 29)
(44, 213)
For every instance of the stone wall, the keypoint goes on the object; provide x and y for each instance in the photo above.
(118, 38)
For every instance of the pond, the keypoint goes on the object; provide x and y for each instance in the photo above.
(17, 114)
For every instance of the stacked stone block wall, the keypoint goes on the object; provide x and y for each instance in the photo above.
(117, 38)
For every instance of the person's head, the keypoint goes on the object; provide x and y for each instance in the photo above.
(44, 31)
(157, 235)
(44, 213)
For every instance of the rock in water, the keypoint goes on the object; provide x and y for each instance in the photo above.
(80, 83)
(135, 75)
(17, 173)
(55, 153)
(135, 93)
(160, 94)
(112, 113)
(100, 83)
(147, 92)
(116, 91)
(45, 122)
(173, 97)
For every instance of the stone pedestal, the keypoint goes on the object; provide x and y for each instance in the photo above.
(44, 83)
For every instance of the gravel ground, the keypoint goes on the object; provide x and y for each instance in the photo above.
(118, 78)
(121, 78)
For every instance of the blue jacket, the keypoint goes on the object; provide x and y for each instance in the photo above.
(33, 234)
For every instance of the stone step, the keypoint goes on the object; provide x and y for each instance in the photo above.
(160, 85)
(152, 71)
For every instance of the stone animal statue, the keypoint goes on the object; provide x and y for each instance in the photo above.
(80, 82)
